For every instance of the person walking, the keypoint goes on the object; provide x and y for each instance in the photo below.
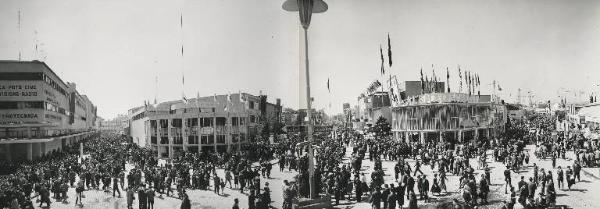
(560, 178)
(130, 198)
(412, 203)
(45, 196)
(391, 199)
(384, 195)
(116, 187)
(375, 199)
(425, 188)
(507, 180)
(228, 178)
(251, 201)
(79, 192)
(217, 184)
(185, 203)
(150, 196)
(142, 200)
(577, 171)
(236, 204)
(484, 189)
(358, 188)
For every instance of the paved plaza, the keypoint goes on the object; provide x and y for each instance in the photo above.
(580, 196)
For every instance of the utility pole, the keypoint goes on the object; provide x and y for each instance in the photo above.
(519, 96)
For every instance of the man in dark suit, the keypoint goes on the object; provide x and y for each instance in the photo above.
(531, 187)
(376, 199)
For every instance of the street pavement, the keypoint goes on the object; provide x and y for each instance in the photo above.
(582, 195)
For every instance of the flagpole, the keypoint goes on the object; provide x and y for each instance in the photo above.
(306, 8)
(311, 168)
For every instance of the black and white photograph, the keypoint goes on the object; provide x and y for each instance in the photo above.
(299, 104)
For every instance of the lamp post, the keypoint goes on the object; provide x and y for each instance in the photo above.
(305, 8)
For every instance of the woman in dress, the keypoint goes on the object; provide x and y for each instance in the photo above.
(435, 188)
(443, 181)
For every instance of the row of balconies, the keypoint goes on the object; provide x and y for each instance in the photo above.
(205, 130)
(194, 139)
(36, 133)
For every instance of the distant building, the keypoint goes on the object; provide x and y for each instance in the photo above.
(118, 124)
(219, 123)
(515, 112)
(296, 122)
(39, 113)
(451, 117)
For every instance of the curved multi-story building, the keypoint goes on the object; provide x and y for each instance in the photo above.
(451, 117)
(219, 123)
(39, 113)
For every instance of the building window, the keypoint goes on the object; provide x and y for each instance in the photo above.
(176, 123)
(207, 139)
(221, 139)
(192, 122)
(192, 139)
(153, 139)
(251, 105)
(234, 138)
(164, 140)
(211, 139)
(252, 119)
(234, 121)
(206, 122)
(22, 105)
(177, 140)
(22, 76)
(192, 149)
(8, 105)
(221, 121)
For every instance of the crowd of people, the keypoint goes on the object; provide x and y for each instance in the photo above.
(103, 168)
(346, 180)
(338, 173)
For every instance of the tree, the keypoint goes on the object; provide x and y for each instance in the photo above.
(265, 132)
(382, 128)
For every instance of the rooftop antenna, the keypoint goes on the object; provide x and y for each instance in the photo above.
(519, 96)
(19, 33)
(155, 89)
(39, 52)
(182, 60)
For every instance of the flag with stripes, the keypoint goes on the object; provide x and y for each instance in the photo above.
(389, 51)
(382, 61)
(448, 79)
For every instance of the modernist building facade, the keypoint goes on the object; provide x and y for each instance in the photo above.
(39, 113)
(219, 123)
(452, 117)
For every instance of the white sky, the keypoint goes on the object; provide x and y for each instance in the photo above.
(114, 49)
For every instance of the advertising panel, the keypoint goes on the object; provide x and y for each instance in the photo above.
(21, 91)
(21, 116)
(31, 91)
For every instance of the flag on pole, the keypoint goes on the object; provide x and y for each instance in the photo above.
(226, 106)
(198, 100)
(469, 81)
(382, 61)
(422, 81)
(428, 82)
(460, 79)
(389, 51)
(448, 79)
